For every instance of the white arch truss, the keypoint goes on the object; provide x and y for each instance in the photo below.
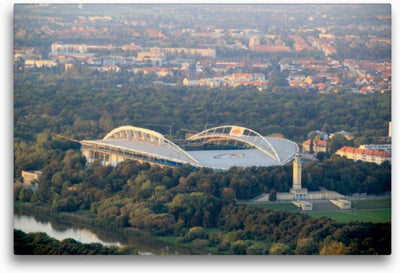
(142, 134)
(135, 133)
(240, 134)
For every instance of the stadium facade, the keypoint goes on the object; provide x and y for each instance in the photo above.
(242, 147)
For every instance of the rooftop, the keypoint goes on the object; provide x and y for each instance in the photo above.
(263, 151)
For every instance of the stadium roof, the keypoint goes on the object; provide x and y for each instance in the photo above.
(144, 141)
(134, 142)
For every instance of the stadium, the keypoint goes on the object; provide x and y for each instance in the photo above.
(220, 147)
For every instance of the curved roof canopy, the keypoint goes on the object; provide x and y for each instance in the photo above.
(135, 133)
(240, 134)
(144, 144)
(141, 139)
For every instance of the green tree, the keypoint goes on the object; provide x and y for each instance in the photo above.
(279, 249)
(239, 247)
(277, 83)
(25, 194)
(333, 248)
(196, 233)
(306, 246)
(254, 250)
(228, 195)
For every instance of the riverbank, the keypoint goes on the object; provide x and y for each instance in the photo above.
(39, 211)
(84, 220)
(143, 241)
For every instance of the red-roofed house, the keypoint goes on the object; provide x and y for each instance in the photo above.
(154, 33)
(365, 155)
(243, 77)
(307, 146)
(317, 146)
(319, 86)
(320, 146)
(272, 48)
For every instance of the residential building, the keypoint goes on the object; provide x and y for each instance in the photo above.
(155, 56)
(40, 63)
(315, 146)
(29, 176)
(346, 134)
(188, 82)
(202, 52)
(254, 42)
(68, 48)
(301, 45)
(378, 147)
(272, 48)
(320, 146)
(307, 146)
(106, 68)
(159, 71)
(131, 47)
(366, 155)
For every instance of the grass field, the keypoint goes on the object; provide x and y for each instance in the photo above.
(275, 206)
(370, 210)
(365, 215)
(382, 203)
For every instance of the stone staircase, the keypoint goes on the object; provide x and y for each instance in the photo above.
(323, 205)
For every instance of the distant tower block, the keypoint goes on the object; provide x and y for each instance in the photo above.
(297, 173)
(254, 42)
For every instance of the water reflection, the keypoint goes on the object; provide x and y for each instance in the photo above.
(60, 231)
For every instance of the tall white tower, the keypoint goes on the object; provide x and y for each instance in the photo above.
(298, 192)
(297, 173)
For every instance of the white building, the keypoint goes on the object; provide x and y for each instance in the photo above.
(366, 155)
(378, 147)
(40, 63)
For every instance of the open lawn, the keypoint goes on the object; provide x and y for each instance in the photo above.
(365, 215)
(382, 203)
(369, 210)
(275, 206)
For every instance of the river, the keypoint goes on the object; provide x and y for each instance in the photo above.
(60, 231)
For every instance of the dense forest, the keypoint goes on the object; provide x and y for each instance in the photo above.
(83, 105)
(189, 203)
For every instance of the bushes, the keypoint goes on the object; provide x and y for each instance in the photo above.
(24, 194)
